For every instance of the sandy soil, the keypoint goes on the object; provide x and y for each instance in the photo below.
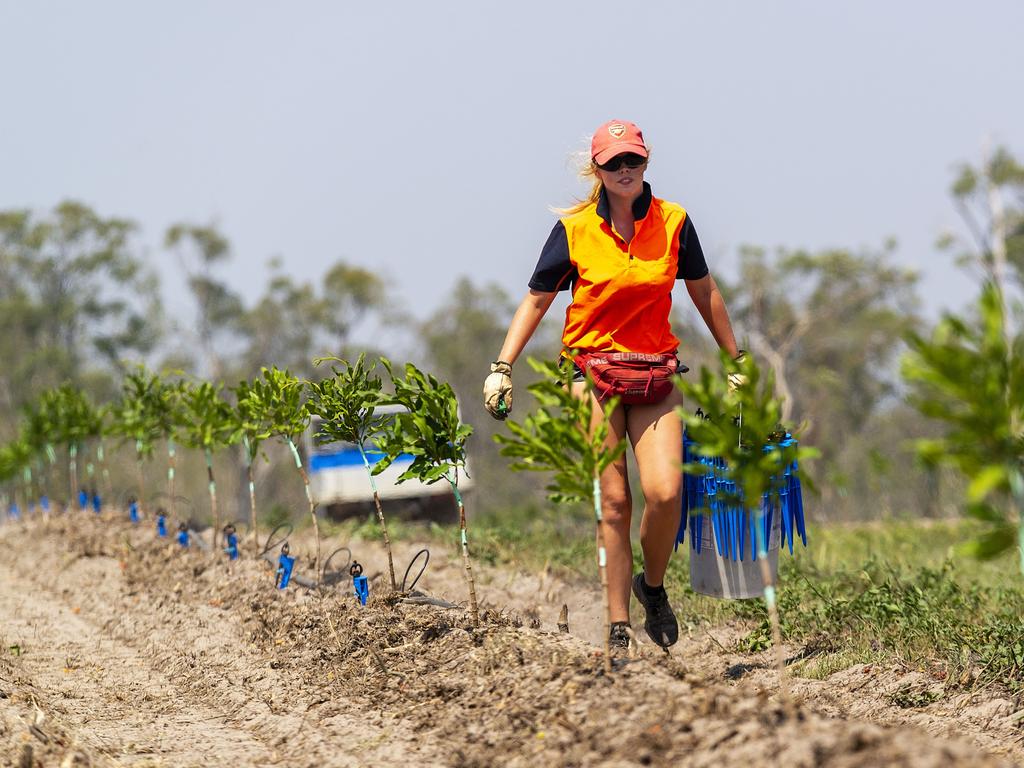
(116, 649)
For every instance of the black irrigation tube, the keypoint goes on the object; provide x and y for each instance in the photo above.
(331, 577)
(271, 542)
(412, 595)
(412, 562)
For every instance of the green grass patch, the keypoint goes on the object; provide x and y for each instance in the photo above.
(929, 618)
(895, 591)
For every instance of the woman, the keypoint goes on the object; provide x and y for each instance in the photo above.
(620, 252)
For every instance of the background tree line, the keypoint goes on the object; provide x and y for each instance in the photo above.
(79, 303)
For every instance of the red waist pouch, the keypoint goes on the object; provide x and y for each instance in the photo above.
(635, 378)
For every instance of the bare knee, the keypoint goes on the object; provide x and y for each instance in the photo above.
(663, 497)
(616, 509)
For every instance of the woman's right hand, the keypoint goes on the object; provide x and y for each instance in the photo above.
(498, 390)
(498, 386)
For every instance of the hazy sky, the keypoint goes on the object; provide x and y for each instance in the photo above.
(426, 139)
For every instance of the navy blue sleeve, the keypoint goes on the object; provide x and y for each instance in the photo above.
(554, 270)
(692, 265)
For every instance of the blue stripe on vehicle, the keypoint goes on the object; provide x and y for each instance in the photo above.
(321, 461)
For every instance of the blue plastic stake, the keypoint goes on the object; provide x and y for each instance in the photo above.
(231, 540)
(362, 586)
(183, 535)
(161, 526)
(133, 511)
(97, 502)
(362, 589)
(44, 502)
(83, 498)
(284, 567)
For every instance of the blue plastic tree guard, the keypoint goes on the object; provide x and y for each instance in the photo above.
(714, 499)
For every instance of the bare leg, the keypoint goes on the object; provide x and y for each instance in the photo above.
(617, 513)
(656, 433)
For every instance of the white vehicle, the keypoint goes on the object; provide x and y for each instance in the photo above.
(341, 487)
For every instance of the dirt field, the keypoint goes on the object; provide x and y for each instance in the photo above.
(119, 650)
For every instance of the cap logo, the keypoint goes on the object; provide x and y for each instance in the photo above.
(617, 130)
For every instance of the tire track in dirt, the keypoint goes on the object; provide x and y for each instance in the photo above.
(198, 657)
(115, 699)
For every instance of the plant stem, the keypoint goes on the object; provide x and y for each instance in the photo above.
(90, 470)
(312, 506)
(73, 471)
(41, 479)
(380, 516)
(1017, 512)
(602, 567)
(142, 479)
(773, 611)
(102, 457)
(26, 480)
(1020, 537)
(213, 497)
(51, 455)
(473, 608)
(252, 512)
(170, 472)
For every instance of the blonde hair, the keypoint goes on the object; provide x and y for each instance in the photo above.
(586, 169)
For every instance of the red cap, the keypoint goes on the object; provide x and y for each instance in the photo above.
(614, 138)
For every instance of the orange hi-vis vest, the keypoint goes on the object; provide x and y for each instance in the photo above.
(622, 293)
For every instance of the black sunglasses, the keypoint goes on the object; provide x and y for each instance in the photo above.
(628, 159)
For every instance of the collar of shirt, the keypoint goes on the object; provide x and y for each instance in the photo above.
(640, 206)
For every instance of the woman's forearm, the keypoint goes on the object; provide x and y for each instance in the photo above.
(711, 305)
(530, 312)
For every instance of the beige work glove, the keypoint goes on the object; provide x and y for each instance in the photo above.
(737, 380)
(498, 390)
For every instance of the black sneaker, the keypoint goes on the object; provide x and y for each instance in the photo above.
(660, 623)
(618, 636)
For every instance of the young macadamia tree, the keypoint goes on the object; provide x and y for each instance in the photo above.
(564, 436)
(346, 404)
(429, 429)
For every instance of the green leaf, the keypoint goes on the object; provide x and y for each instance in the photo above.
(429, 429)
(557, 438)
(993, 543)
(986, 512)
(986, 481)
(968, 376)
